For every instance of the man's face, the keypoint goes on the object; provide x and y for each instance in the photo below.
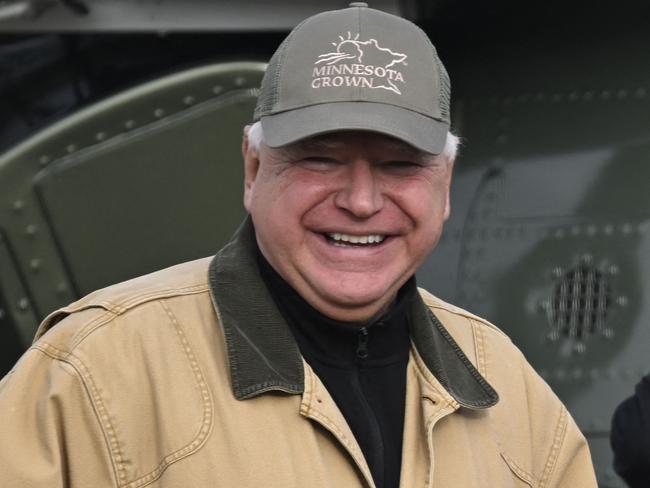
(346, 218)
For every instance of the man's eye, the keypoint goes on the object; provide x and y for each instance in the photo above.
(401, 166)
(319, 162)
(320, 159)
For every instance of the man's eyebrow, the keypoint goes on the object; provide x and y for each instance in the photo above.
(325, 142)
(315, 144)
(411, 152)
(311, 145)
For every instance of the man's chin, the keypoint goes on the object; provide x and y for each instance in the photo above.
(358, 305)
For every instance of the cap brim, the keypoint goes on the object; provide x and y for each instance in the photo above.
(418, 130)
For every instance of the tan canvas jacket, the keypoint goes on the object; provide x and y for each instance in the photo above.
(190, 378)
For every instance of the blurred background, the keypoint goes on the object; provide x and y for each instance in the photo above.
(120, 130)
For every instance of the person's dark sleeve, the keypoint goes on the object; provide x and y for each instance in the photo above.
(630, 437)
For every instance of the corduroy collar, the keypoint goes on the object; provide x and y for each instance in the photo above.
(263, 355)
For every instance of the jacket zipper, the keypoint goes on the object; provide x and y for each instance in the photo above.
(362, 343)
(375, 432)
(377, 444)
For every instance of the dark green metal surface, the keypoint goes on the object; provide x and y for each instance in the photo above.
(143, 180)
(550, 230)
(17, 319)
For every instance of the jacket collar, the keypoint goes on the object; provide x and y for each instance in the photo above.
(263, 354)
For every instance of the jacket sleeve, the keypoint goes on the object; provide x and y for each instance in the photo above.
(572, 467)
(50, 435)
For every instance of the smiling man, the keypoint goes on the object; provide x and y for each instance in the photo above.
(303, 353)
(346, 218)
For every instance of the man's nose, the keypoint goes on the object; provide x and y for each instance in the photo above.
(360, 193)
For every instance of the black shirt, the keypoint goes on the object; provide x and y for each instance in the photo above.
(363, 367)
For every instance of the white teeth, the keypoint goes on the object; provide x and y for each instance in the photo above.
(368, 239)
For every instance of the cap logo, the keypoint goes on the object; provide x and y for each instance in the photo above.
(365, 64)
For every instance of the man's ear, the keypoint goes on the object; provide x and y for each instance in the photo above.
(447, 207)
(447, 198)
(251, 167)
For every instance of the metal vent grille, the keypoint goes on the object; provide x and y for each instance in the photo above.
(580, 304)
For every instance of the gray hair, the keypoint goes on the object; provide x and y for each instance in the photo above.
(256, 138)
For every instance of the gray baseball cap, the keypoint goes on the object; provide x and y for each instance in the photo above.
(356, 69)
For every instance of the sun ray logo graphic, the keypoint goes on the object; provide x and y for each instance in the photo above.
(369, 54)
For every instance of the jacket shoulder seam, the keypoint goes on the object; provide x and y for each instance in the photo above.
(138, 300)
(435, 303)
(111, 311)
(90, 326)
(471, 317)
(129, 302)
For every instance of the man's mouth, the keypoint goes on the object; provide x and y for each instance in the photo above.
(343, 240)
